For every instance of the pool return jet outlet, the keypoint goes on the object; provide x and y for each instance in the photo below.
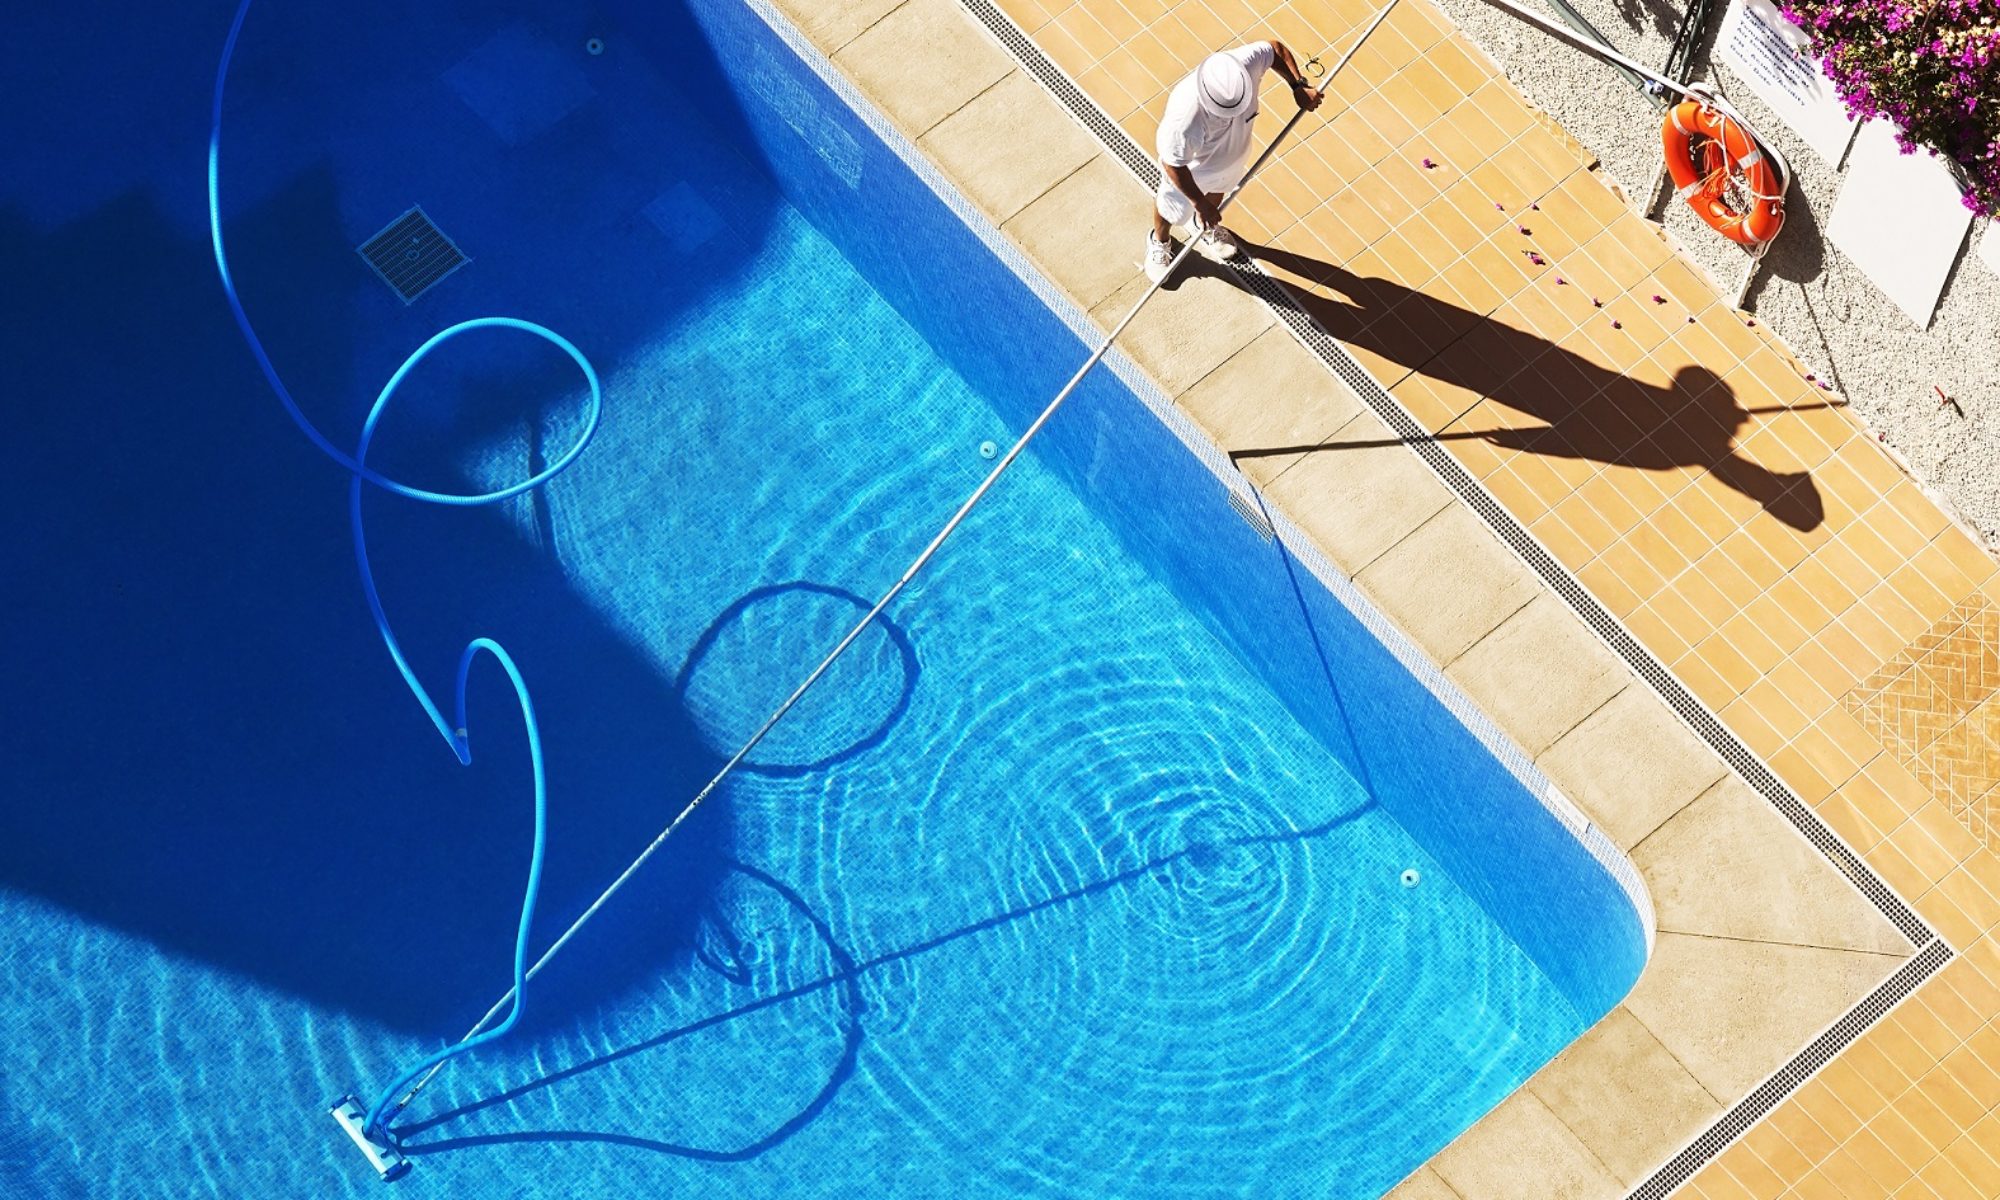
(368, 1127)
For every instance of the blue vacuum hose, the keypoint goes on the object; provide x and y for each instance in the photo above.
(454, 733)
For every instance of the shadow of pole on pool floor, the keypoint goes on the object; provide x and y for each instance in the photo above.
(846, 975)
(737, 620)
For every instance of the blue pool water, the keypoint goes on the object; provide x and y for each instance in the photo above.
(1078, 878)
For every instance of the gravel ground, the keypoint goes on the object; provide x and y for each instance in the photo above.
(1817, 300)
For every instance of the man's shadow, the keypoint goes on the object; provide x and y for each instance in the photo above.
(1604, 416)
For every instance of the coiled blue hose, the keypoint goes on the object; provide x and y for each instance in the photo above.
(454, 734)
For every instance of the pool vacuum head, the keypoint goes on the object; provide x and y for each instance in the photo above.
(388, 1161)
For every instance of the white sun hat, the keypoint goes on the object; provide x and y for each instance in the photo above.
(1223, 86)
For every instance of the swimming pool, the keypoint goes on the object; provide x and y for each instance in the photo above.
(1082, 877)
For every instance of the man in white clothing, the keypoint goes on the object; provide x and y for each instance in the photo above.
(1204, 146)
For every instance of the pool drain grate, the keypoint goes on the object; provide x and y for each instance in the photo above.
(1742, 1116)
(1251, 513)
(411, 254)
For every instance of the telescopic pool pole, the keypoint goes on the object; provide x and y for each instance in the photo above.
(909, 573)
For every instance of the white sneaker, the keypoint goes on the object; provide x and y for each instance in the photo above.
(1218, 245)
(1159, 256)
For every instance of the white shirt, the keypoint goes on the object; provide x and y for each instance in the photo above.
(1189, 137)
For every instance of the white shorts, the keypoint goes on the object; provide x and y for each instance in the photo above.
(1174, 204)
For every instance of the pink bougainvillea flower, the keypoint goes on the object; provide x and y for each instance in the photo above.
(1925, 66)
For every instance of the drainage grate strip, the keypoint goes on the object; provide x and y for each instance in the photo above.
(411, 254)
(1718, 736)
(1336, 358)
(1933, 953)
(1766, 1096)
(1081, 106)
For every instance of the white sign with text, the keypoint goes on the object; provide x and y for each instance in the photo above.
(1771, 55)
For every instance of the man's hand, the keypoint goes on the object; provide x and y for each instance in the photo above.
(1307, 95)
(1206, 212)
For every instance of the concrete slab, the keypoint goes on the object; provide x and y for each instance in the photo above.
(1270, 396)
(1632, 764)
(1085, 232)
(1732, 1011)
(921, 62)
(1523, 1151)
(1424, 1185)
(1359, 493)
(1451, 582)
(831, 24)
(1008, 145)
(1728, 865)
(1195, 323)
(1540, 674)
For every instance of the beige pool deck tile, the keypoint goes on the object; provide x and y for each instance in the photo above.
(1359, 493)
(1008, 146)
(1085, 232)
(1729, 866)
(1182, 333)
(1632, 765)
(918, 66)
(1754, 535)
(1731, 1011)
(1423, 1184)
(1624, 1096)
(831, 24)
(1452, 580)
(1265, 407)
(1523, 1151)
(1539, 674)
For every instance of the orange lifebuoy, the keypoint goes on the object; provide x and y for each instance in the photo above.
(1696, 131)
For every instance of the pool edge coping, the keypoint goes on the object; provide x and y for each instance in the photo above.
(1236, 486)
(1929, 952)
